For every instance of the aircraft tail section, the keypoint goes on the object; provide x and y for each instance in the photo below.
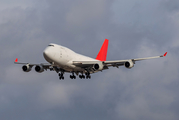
(103, 51)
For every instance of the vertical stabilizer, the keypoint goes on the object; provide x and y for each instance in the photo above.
(103, 51)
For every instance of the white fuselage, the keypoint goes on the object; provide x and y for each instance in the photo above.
(64, 57)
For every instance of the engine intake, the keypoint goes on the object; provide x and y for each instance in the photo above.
(26, 68)
(98, 66)
(129, 64)
(39, 68)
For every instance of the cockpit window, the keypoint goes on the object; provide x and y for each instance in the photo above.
(51, 45)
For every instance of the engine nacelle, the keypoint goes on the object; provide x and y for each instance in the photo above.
(26, 68)
(39, 68)
(129, 64)
(98, 66)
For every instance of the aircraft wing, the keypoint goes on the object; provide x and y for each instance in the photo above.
(43, 65)
(23, 63)
(117, 63)
(90, 65)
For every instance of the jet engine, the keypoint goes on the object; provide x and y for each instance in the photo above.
(26, 68)
(98, 66)
(39, 68)
(129, 64)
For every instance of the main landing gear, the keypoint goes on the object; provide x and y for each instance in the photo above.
(82, 76)
(61, 76)
(88, 76)
(72, 76)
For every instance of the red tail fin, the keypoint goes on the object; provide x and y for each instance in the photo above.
(103, 51)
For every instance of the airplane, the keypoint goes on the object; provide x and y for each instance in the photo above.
(62, 59)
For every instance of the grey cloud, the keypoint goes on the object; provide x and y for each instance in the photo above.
(171, 5)
(134, 28)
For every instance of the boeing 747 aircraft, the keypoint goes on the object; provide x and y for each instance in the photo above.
(62, 59)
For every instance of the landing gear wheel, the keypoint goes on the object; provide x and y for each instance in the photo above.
(72, 76)
(82, 76)
(88, 76)
(61, 76)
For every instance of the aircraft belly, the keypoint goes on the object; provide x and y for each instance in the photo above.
(71, 69)
(63, 64)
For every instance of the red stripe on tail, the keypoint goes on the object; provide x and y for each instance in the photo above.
(103, 51)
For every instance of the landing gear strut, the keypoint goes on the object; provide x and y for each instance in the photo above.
(61, 76)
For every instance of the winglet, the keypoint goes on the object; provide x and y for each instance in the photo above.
(16, 60)
(103, 51)
(165, 54)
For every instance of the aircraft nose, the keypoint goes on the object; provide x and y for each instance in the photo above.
(47, 54)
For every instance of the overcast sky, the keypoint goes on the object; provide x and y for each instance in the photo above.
(135, 28)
